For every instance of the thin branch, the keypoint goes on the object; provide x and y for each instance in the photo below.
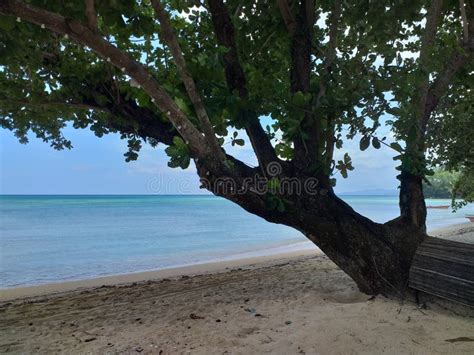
(52, 103)
(91, 15)
(171, 40)
(236, 81)
(287, 16)
(382, 142)
(453, 65)
(83, 35)
(237, 10)
(264, 45)
(329, 61)
(441, 84)
(427, 41)
(335, 19)
(139, 120)
(465, 25)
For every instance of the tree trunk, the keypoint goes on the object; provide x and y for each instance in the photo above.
(376, 256)
(412, 200)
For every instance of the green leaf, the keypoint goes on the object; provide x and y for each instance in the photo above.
(274, 183)
(396, 146)
(182, 105)
(364, 143)
(395, 111)
(344, 173)
(300, 99)
(376, 143)
(178, 153)
(178, 142)
(7, 23)
(347, 158)
(238, 141)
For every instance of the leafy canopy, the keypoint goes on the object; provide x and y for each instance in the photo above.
(366, 70)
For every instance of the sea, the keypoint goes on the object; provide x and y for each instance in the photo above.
(49, 239)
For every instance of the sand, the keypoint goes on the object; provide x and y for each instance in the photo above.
(190, 270)
(286, 304)
(463, 232)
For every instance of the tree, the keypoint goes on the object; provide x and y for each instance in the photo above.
(457, 186)
(185, 73)
(441, 184)
(463, 188)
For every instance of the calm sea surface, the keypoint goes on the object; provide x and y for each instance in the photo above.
(47, 239)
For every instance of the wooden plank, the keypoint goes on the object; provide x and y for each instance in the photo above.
(448, 249)
(449, 267)
(440, 285)
(447, 244)
(445, 269)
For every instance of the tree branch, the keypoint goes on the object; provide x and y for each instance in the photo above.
(83, 35)
(307, 151)
(453, 65)
(91, 15)
(139, 120)
(411, 200)
(333, 28)
(465, 24)
(427, 41)
(330, 58)
(148, 123)
(235, 77)
(50, 103)
(171, 40)
(287, 16)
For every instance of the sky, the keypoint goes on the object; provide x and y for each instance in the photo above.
(97, 166)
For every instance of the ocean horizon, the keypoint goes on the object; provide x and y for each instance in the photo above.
(55, 238)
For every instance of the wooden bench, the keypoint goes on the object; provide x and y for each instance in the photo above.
(445, 269)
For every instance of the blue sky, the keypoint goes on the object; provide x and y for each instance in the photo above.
(97, 166)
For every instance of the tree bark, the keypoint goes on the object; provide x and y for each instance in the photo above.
(412, 201)
(376, 256)
(307, 151)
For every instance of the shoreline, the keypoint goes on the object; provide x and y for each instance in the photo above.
(223, 265)
(214, 267)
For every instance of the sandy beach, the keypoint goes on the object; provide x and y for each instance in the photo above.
(297, 302)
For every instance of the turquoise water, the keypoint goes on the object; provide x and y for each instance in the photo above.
(47, 239)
